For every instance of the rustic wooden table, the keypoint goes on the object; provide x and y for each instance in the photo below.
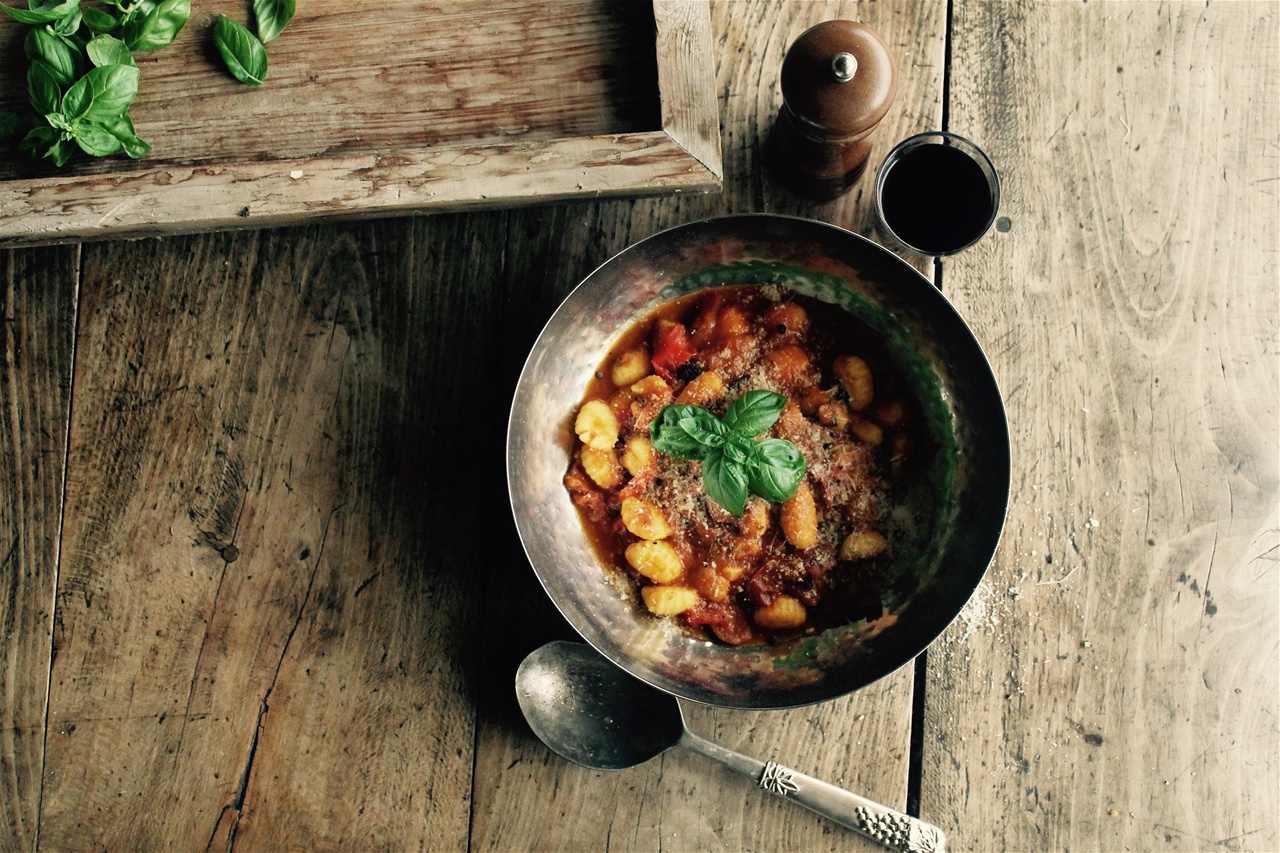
(263, 589)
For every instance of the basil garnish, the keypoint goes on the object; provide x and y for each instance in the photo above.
(734, 465)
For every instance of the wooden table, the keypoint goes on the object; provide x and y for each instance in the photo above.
(263, 589)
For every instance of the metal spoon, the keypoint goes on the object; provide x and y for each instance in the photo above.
(594, 714)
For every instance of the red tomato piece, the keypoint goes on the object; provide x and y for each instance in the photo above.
(671, 351)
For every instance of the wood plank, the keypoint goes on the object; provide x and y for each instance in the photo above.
(426, 73)
(525, 796)
(37, 320)
(160, 200)
(500, 104)
(1114, 683)
(267, 595)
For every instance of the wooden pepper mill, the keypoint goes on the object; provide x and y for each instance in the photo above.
(837, 84)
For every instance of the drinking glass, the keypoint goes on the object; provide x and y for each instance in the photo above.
(936, 193)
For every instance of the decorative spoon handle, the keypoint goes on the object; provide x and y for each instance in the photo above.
(891, 828)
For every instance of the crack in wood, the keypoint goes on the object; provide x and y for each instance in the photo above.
(236, 806)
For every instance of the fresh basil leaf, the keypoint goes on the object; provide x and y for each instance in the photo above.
(157, 26)
(39, 141)
(60, 57)
(776, 469)
(685, 432)
(102, 94)
(98, 20)
(122, 128)
(10, 124)
(754, 412)
(725, 482)
(244, 55)
(67, 26)
(57, 8)
(61, 152)
(703, 427)
(43, 13)
(109, 50)
(43, 90)
(737, 449)
(272, 16)
(96, 141)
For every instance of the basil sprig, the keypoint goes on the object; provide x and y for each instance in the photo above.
(734, 464)
(82, 77)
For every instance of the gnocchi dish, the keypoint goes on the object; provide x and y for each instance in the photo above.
(759, 570)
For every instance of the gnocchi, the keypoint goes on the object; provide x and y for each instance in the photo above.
(759, 576)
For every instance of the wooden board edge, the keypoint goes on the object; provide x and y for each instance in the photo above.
(174, 199)
(687, 78)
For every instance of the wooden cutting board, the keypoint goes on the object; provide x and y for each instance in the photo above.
(434, 105)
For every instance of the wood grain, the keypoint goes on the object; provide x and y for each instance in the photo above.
(440, 105)
(1113, 684)
(525, 796)
(267, 597)
(37, 321)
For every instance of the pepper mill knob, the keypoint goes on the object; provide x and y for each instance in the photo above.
(838, 82)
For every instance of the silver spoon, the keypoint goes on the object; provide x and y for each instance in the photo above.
(591, 712)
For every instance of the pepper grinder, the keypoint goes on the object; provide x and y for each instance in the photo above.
(837, 84)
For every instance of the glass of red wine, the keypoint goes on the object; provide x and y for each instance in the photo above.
(937, 193)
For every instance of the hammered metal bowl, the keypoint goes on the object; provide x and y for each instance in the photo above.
(955, 504)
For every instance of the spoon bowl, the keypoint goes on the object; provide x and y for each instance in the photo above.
(589, 711)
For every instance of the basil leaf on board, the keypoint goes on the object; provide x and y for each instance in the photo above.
(109, 50)
(10, 123)
(60, 57)
(122, 128)
(725, 482)
(67, 26)
(39, 141)
(98, 20)
(44, 13)
(670, 432)
(754, 412)
(776, 469)
(156, 26)
(61, 152)
(244, 55)
(96, 141)
(42, 88)
(272, 17)
(101, 94)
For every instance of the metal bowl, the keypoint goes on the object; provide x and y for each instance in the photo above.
(955, 505)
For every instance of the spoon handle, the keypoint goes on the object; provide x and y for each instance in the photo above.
(893, 829)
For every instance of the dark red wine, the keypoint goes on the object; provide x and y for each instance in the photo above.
(935, 198)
